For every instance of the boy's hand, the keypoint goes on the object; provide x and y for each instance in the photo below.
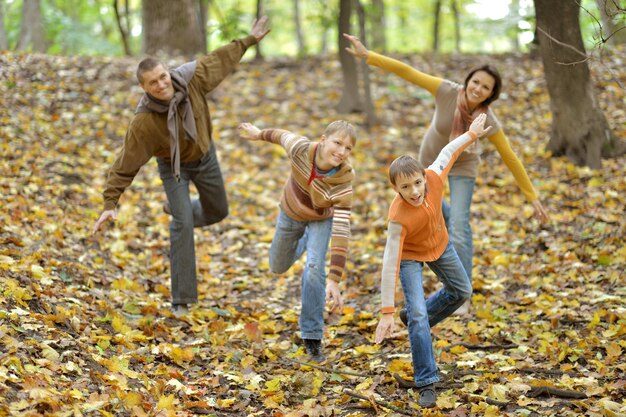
(106, 214)
(385, 328)
(249, 131)
(478, 126)
(358, 49)
(333, 295)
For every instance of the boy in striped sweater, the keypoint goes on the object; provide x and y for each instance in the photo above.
(416, 233)
(315, 211)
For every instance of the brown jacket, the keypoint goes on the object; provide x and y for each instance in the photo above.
(148, 136)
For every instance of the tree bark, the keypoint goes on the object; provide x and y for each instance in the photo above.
(258, 56)
(171, 28)
(4, 41)
(579, 129)
(31, 30)
(378, 25)
(203, 16)
(350, 97)
(298, 24)
(122, 28)
(436, 19)
(457, 26)
(370, 114)
(612, 32)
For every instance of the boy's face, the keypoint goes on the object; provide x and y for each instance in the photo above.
(411, 188)
(333, 150)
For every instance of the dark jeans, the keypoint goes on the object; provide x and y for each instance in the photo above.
(209, 208)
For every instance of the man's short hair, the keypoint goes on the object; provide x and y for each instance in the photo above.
(147, 64)
(404, 166)
(343, 128)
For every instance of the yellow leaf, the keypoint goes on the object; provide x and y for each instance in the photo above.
(166, 402)
(367, 349)
(272, 385)
(457, 350)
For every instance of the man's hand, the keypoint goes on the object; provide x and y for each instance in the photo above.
(478, 126)
(333, 295)
(358, 49)
(249, 131)
(259, 28)
(106, 214)
(385, 328)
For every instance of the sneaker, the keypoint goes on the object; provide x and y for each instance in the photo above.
(314, 349)
(403, 318)
(463, 310)
(166, 208)
(428, 396)
(180, 310)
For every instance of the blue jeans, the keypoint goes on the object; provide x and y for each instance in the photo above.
(457, 218)
(424, 314)
(291, 239)
(209, 208)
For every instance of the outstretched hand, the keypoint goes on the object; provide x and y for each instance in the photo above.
(358, 49)
(478, 126)
(259, 28)
(106, 214)
(249, 131)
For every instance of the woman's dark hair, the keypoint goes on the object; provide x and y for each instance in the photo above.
(497, 85)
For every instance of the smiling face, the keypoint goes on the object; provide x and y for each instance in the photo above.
(158, 83)
(333, 150)
(479, 88)
(412, 188)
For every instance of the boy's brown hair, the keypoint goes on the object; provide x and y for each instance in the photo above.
(404, 166)
(341, 127)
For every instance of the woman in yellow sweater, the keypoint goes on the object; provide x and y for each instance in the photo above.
(456, 106)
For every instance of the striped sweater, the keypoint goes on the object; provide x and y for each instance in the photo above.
(309, 197)
(419, 233)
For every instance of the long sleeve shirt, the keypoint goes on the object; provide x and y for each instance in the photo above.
(419, 233)
(308, 196)
(438, 133)
(148, 135)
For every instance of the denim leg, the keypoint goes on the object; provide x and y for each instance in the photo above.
(287, 244)
(212, 204)
(184, 286)
(314, 279)
(459, 227)
(424, 366)
(456, 286)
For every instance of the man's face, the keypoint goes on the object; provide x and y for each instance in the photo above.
(411, 188)
(158, 84)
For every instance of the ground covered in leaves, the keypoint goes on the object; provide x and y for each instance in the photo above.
(85, 325)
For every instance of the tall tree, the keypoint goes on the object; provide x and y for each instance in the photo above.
(298, 24)
(259, 12)
(613, 23)
(123, 24)
(171, 27)
(379, 26)
(457, 26)
(31, 29)
(203, 14)
(350, 97)
(579, 129)
(4, 42)
(370, 114)
(436, 24)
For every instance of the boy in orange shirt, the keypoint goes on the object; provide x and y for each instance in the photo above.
(416, 234)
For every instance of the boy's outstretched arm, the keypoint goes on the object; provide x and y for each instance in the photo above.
(249, 131)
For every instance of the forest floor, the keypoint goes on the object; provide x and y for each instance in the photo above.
(85, 324)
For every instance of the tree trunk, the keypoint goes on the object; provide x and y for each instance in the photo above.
(612, 32)
(122, 27)
(350, 97)
(4, 42)
(203, 16)
(298, 24)
(579, 129)
(171, 28)
(258, 56)
(370, 114)
(378, 25)
(31, 30)
(457, 27)
(437, 16)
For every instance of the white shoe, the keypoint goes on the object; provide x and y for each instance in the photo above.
(463, 310)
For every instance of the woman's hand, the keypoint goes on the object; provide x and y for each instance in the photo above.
(540, 213)
(358, 49)
(249, 131)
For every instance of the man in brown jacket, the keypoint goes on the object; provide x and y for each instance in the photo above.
(172, 122)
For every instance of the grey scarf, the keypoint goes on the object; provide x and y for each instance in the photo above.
(180, 79)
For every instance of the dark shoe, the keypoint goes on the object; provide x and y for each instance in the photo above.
(166, 208)
(403, 318)
(428, 396)
(314, 349)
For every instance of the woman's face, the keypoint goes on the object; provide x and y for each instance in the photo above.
(479, 88)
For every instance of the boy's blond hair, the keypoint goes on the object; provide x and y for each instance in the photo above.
(342, 128)
(404, 166)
